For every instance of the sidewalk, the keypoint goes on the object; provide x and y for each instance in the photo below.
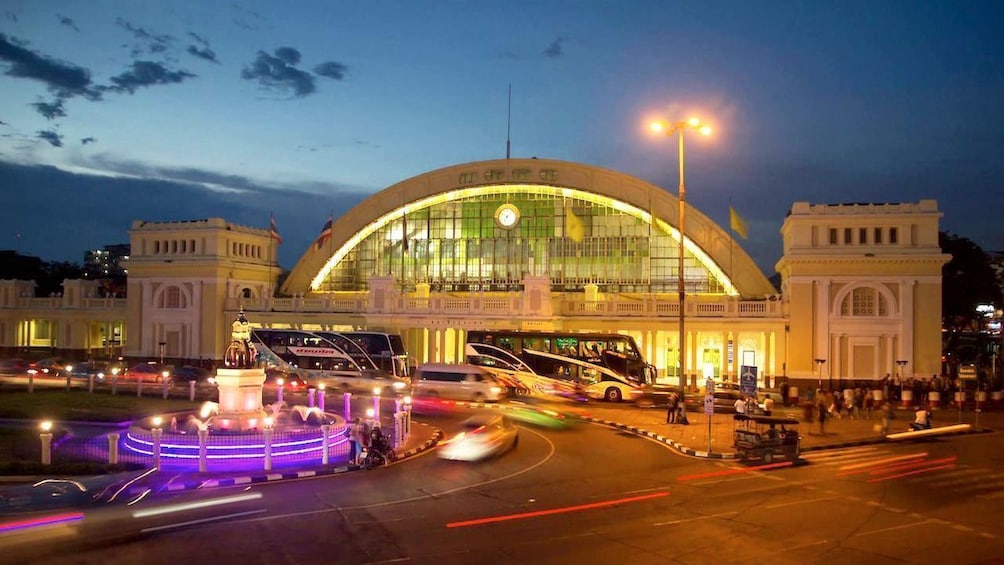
(693, 439)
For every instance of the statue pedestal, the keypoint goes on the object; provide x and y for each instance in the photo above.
(240, 399)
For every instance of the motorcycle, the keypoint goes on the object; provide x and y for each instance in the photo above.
(379, 451)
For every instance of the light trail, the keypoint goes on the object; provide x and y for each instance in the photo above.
(41, 521)
(564, 510)
(195, 505)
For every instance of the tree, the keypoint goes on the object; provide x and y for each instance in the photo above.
(967, 280)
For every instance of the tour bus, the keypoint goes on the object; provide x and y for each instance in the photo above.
(385, 349)
(607, 366)
(318, 360)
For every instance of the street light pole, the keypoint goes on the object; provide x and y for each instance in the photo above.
(677, 128)
(819, 373)
(901, 363)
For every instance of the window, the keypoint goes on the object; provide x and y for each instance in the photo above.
(172, 298)
(862, 236)
(893, 235)
(833, 236)
(863, 302)
(878, 235)
(847, 236)
(468, 178)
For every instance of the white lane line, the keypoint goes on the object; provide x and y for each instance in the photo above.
(877, 462)
(797, 502)
(883, 530)
(685, 520)
(201, 521)
(434, 495)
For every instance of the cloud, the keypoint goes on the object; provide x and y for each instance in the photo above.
(67, 22)
(279, 72)
(87, 140)
(50, 110)
(63, 79)
(52, 137)
(154, 43)
(331, 69)
(202, 53)
(33, 189)
(554, 49)
(146, 73)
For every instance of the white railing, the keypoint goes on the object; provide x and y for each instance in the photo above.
(475, 304)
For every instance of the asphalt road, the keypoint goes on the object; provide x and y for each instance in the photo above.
(585, 495)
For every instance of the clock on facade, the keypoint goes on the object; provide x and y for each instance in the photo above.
(507, 215)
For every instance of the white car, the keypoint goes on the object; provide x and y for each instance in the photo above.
(483, 435)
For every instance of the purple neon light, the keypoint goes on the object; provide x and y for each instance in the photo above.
(258, 448)
(41, 521)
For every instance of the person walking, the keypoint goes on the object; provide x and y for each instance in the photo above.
(672, 407)
(821, 414)
(888, 414)
(358, 434)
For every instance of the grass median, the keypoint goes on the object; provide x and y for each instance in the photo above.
(59, 405)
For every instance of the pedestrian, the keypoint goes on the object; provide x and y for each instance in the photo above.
(672, 407)
(740, 406)
(888, 414)
(784, 392)
(357, 437)
(821, 413)
(768, 405)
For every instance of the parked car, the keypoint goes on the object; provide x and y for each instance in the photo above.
(148, 372)
(483, 435)
(189, 373)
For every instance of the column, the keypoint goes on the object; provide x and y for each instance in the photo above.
(728, 370)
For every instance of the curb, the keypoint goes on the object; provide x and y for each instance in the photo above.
(674, 444)
(437, 436)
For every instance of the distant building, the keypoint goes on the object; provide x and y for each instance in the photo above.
(533, 245)
(106, 263)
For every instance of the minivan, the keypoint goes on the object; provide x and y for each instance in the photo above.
(457, 382)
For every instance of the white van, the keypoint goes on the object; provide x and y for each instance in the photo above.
(458, 382)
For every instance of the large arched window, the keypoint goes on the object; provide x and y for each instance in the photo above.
(489, 238)
(172, 298)
(864, 301)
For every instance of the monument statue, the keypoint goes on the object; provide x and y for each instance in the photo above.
(241, 353)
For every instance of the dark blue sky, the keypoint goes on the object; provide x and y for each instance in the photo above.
(163, 111)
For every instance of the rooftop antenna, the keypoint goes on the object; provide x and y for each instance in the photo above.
(508, 124)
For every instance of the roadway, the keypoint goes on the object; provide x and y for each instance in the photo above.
(588, 494)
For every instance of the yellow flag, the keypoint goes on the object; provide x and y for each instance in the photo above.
(736, 222)
(573, 226)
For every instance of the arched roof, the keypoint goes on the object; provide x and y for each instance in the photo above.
(704, 238)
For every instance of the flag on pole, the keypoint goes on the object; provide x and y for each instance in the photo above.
(737, 223)
(325, 233)
(574, 228)
(272, 230)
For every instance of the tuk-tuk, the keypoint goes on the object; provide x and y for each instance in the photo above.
(765, 438)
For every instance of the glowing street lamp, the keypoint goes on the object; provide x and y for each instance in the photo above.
(279, 381)
(46, 438)
(157, 431)
(669, 129)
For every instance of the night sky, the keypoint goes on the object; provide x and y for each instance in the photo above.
(117, 110)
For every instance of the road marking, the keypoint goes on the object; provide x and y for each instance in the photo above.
(797, 502)
(429, 496)
(201, 521)
(918, 471)
(563, 510)
(877, 462)
(685, 520)
(734, 471)
(883, 530)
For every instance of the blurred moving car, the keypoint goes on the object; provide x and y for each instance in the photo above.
(290, 381)
(483, 435)
(148, 372)
(50, 366)
(190, 373)
(14, 366)
(725, 401)
(459, 382)
(363, 381)
(87, 369)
